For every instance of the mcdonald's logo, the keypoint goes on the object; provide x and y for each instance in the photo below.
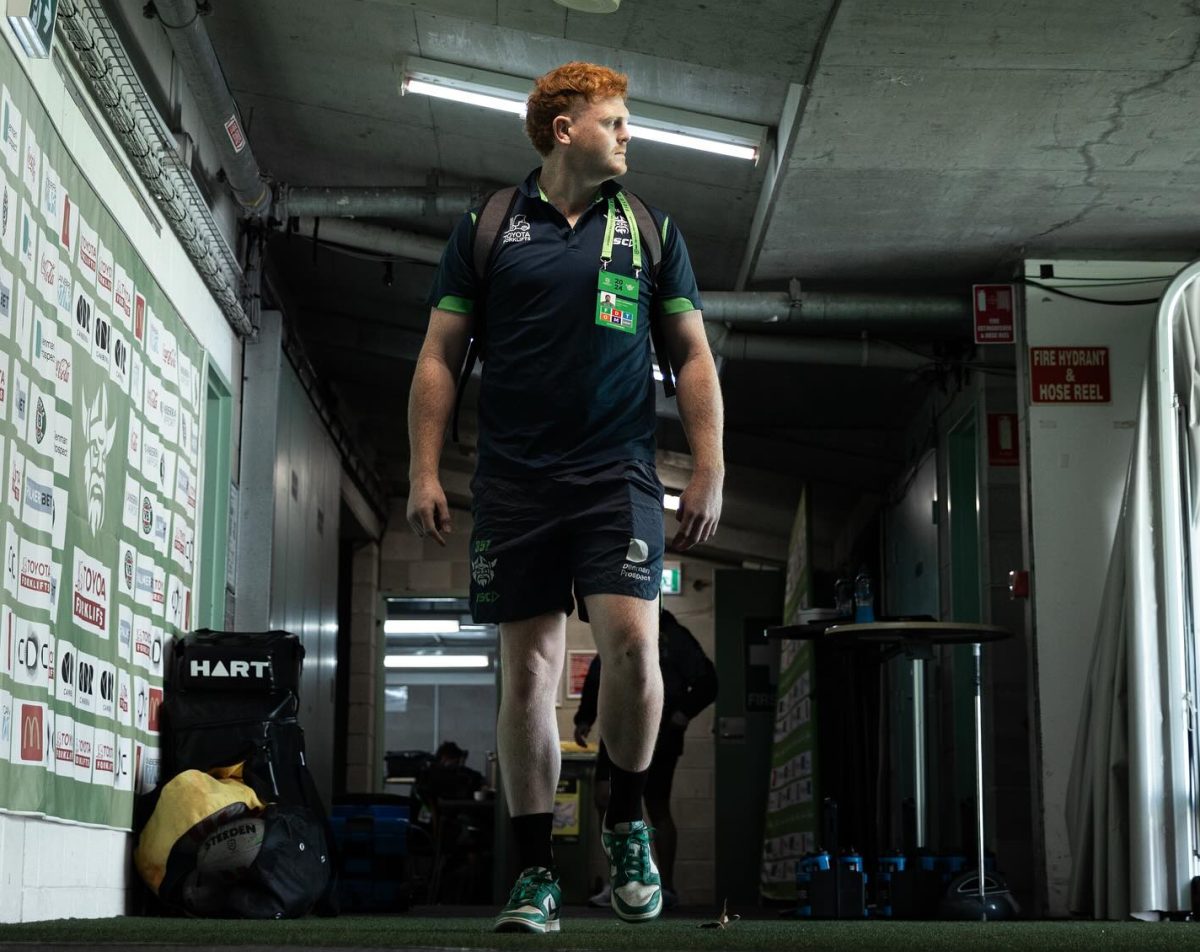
(32, 733)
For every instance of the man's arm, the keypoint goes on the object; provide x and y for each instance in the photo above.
(698, 393)
(585, 716)
(430, 403)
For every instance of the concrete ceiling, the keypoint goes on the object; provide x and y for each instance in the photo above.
(935, 144)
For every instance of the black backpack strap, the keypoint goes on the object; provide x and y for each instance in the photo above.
(652, 246)
(492, 214)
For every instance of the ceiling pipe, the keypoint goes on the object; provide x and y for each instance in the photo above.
(947, 313)
(377, 238)
(416, 201)
(198, 62)
(800, 350)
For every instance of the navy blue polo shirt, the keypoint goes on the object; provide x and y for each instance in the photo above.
(559, 391)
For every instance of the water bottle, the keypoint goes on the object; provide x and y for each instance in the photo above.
(864, 597)
(843, 597)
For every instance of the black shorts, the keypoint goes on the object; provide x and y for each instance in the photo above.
(538, 544)
(659, 775)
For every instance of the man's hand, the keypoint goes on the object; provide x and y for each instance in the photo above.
(581, 734)
(428, 512)
(699, 509)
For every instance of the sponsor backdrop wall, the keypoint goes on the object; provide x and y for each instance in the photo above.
(101, 422)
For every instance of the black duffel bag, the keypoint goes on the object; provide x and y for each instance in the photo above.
(276, 866)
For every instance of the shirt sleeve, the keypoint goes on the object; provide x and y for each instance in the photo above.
(454, 281)
(676, 290)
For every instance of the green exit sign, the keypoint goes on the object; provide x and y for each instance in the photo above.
(672, 578)
(33, 22)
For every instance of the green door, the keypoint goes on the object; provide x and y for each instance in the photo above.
(744, 603)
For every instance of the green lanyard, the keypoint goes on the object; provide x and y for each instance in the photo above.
(606, 249)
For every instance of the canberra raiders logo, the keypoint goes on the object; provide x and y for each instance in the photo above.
(483, 570)
(39, 421)
(128, 568)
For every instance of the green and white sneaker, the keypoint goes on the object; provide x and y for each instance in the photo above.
(533, 903)
(636, 886)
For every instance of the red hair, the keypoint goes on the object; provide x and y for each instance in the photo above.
(560, 89)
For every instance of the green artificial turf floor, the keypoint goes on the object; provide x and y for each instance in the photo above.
(585, 929)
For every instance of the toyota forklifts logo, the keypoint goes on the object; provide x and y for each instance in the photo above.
(518, 230)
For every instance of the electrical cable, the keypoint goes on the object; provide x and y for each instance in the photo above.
(1141, 302)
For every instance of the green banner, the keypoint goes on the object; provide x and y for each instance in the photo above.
(791, 817)
(101, 429)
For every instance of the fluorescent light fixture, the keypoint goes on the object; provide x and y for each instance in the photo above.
(33, 22)
(678, 127)
(671, 501)
(411, 662)
(418, 626)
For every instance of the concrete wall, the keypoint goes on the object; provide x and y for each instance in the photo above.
(34, 881)
(1072, 484)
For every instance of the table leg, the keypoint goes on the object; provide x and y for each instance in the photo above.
(979, 776)
(918, 742)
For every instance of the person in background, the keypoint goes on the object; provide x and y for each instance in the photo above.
(689, 686)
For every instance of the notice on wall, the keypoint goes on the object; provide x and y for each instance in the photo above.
(993, 307)
(1002, 439)
(578, 663)
(1069, 375)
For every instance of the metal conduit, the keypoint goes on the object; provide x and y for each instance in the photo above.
(796, 350)
(399, 201)
(377, 238)
(92, 41)
(202, 71)
(953, 312)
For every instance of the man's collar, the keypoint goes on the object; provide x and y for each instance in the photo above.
(532, 188)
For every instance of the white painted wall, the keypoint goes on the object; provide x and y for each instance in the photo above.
(1073, 477)
(35, 883)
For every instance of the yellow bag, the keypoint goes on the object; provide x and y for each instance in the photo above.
(192, 804)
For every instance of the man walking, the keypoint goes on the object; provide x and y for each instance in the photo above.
(566, 501)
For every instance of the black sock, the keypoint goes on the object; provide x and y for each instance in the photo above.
(625, 798)
(533, 839)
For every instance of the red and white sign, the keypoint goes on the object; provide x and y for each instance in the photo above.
(993, 305)
(1069, 375)
(234, 130)
(1002, 439)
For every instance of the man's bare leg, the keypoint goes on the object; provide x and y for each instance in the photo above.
(531, 660)
(631, 693)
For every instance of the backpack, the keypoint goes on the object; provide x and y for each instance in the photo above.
(485, 239)
(274, 866)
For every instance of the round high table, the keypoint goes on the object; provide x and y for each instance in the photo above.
(916, 640)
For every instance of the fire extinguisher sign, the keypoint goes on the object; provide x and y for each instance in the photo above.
(993, 306)
(1002, 439)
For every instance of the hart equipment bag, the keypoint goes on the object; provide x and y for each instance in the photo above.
(231, 701)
